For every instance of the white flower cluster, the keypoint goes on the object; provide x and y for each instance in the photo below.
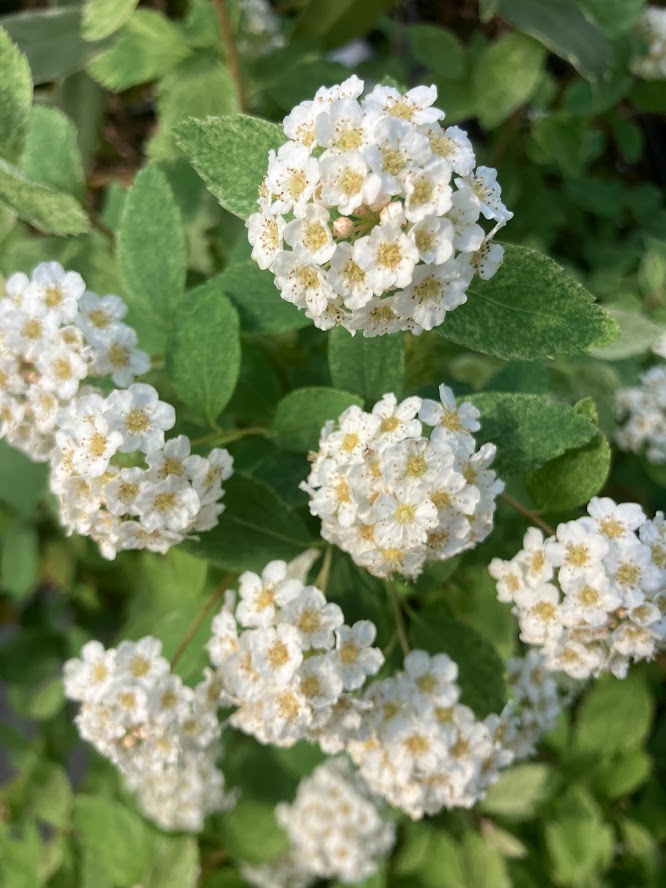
(335, 831)
(369, 214)
(260, 28)
(642, 409)
(394, 498)
(591, 597)
(288, 663)
(162, 735)
(54, 333)
(427, 751)
(132, 506)
(652, 26)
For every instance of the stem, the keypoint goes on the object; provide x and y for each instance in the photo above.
(98, 225)
(527, 513)
(205, 608)
(399, 621)
(226, 437)
(233, 60)
(321, 581)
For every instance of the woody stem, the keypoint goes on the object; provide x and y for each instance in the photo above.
(205, 608)
(527, 513)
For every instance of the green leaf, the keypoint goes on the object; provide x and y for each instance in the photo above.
(19, 568)
(103, 17)
(621, 774)
(579, 844)
(52, 155)
(575, 477)
(561, 26)
(175, 863)
(520, 792)
(649, 96)
(255, 528)
(251, 833)
(200, 86)
(614, 17)
(529, 430)
(483, 865)
(41, 206)
(15, 98)
(301, 415)
(151, 256)
(560, 139)
(531, 309)
(231, 156)
(338, 23)
(438, 49)
(258, 301)
(22, 482)
(505, 76)
(614, 716)
(116, 838)
(204, 352)
(637, 335)
(148, 47)
(368, 367)
(51, 40)
(480, 669)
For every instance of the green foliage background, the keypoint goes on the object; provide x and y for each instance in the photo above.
(104, 170)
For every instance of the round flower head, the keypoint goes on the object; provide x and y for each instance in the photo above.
(642, 412)
(650, 63)
(373, 216)
(396, 494)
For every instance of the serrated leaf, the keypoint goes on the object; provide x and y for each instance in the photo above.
(151, 256)
(369, 367)
(260, 307)
(103, 17)
(204, 353)
(15, 98)
(52, 155)
(579, 843)
(51, 40)
(300, 416)
(116, 838)
(231, 156)
(637, 335)
(520, 791)
(614, 716)
(255, 528)
(482, 864)
(531, 309)
(438, 49)
(528, 430)
(480, 669)
(147, 47)
(505, 76)
(561, 26)
(51, 211)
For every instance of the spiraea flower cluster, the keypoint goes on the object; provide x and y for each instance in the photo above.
(335, 831)
(641, 411)
(591, 597)
(161, 734)
(118, 481)
(651, 64)
(288, 662)
(425, 750)
(370, 214)
(55, 333)
(394, 497)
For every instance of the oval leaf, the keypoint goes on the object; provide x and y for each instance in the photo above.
(300, 416)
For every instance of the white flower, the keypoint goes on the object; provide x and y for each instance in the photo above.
(54, 291)
(170, 505)
(387, 256)
(140, 416)
(355, 658)
(276, 652)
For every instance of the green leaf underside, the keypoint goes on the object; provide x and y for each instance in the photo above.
(51, 211)
(301, 415)
(204, 354)
(51, 40)
(255, 528)
(231, 156)
(15, 98)
(529, 430)
(151, 256)
(531, 309)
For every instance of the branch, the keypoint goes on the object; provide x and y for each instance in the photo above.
(531, 516)
(399, 621)
(233, 59)
(205, 608)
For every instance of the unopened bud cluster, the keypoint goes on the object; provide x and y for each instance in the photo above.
(651, 64)
(369, 214)
(642, 411)
(288, 662)
(427, 751)
(161, 734)
(592, 597)
(335, 831)
(54, 333)
(394, 496)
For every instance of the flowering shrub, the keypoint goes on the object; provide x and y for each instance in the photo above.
(284, 605)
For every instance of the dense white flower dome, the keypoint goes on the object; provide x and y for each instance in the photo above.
(641, 410)
(370, 215)
(651, 65)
